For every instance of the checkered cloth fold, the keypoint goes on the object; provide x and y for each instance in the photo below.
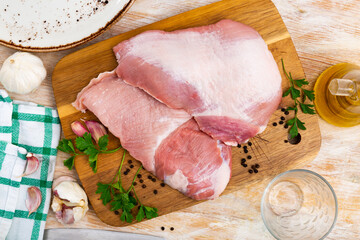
(25, 127)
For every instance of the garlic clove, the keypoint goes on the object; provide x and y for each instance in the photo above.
(78, 128)
(22, 73)
(96, 129)
(70, 202)
(33, 199)
(61, 179)
(32, 164)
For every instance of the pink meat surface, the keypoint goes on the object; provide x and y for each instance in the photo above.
(201, 165)
(167, 141)
(137, 119)
(222, 74)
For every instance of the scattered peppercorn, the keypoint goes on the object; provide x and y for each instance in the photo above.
(171, 229)
(286, 126)
(250, 171)
(141, 181)
(153, 180)
(281, 122)
(243, 160)
(131, 166)
(130, 161)
(246, 151)
(274, 124)
(286, 112)
(244, 165)
(162, 184)
(245, 147)
(249, 143)
(239, 146)
(283, 109)
(255, 170)
(282, 118)
(257, 165)
(286, 141)
(116, 212)
(126, 173)
(143, 186)
(150, 177)
(155, 191)
(249, 157)
(135, 184)
(139, 175)
(162, 228)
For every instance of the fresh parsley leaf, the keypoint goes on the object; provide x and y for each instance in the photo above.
(93, 166)
(84, 142)
(301, 82)
(307, 108)
(141, 215)
(69, 163)
(66, 145)
(300, 124)
(293, 131)
(150, 212)
(126, 216)
(286, 93)
(105, 191)
(295, 93)
(103, 142)
(309, 94)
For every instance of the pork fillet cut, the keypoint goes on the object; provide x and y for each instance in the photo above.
(163, 139)
(222, 74)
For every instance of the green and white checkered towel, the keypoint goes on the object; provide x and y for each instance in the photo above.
(25, 127)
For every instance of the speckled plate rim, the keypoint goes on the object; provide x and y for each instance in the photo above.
(100, 31)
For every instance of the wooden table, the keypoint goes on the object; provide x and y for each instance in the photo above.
(325, 32)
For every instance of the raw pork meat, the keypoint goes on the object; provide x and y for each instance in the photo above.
(167, 141)
(222, 74)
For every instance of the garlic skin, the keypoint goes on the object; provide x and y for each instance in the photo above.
(70, 202)
(22, 73)
(33, 199)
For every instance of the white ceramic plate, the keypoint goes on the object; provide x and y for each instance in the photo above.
(51, 25)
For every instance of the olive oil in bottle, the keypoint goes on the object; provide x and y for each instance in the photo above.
(337, 95)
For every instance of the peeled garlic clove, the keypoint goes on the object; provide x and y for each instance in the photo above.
(33, 199)
(61, 179)
(78, 128)
(70, 202)
(96, 129)
(32, 165)
(22, 73)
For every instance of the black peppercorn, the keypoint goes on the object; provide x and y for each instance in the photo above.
(286, 126)
(243, 160)
(139, 175)
(286, 112)
(239, 146)
(130, 161)
(244, 165)
(155, 191)
(281, 122)
(249, 143)
(249, 157)
(126, 173)
(153, 180)
(141, 181)
(162, 184)
(250, 171)
(135, 184)
(274, 124)
(257, 165)
(255, 170)
(282, 118)
(246, 151)
(150, 177)
(162, 228)
(131, 166)
(171, 229)
(116, 212)
(286, 141)
(283, 109)
(143, 186)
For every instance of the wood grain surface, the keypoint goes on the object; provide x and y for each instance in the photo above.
(324, 32)
(268, 149)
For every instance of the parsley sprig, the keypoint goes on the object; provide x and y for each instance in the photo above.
(85, 145)
(295, 123)
(121, 199)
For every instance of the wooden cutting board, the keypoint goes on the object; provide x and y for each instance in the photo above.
(269, 149)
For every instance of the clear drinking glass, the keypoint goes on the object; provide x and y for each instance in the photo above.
(299, 204)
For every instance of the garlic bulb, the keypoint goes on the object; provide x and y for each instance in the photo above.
(70, 202)
(22, 73)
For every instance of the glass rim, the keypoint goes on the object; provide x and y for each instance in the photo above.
(299, 170)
